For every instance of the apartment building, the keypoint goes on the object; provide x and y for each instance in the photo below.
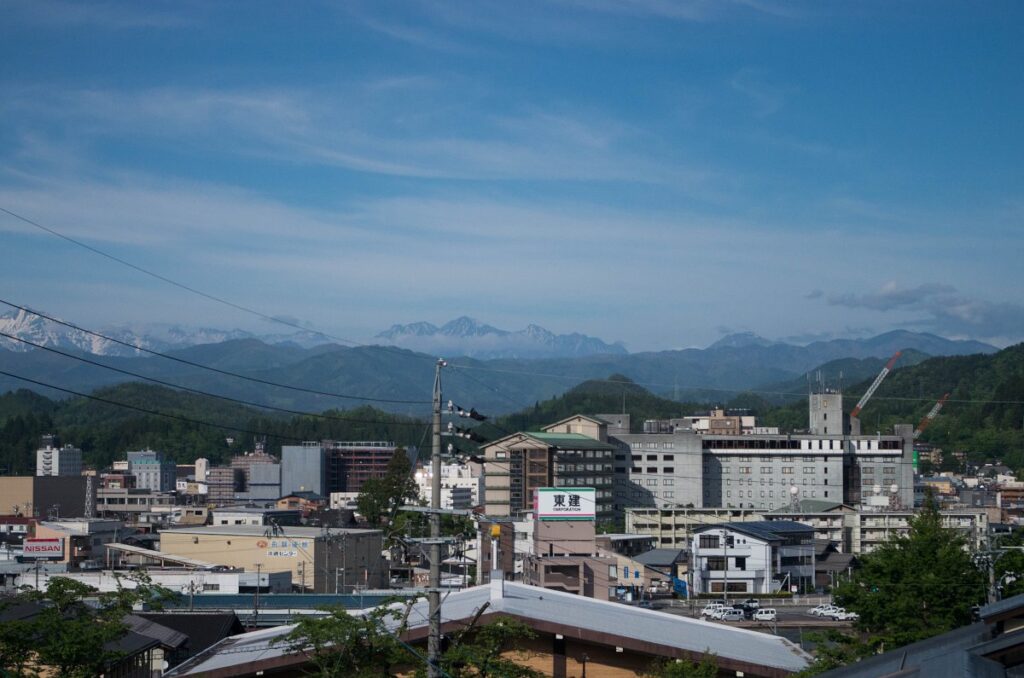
(570, 453)
(852, 530)
(54, 460)
(335, 466)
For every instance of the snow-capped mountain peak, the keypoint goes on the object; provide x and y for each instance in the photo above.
(466, 336)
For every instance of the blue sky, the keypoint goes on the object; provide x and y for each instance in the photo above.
(648, 171)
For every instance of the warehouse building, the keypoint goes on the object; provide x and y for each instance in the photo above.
(320, 560)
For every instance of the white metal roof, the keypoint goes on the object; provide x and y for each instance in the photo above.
(531, 602)
(160, 555)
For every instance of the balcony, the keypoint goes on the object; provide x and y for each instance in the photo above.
(734, 574)
(737, 551)
(565, 581)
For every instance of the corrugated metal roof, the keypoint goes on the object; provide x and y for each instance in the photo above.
(565, 609)
(287, 531)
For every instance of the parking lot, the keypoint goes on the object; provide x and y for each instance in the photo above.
(788, 615)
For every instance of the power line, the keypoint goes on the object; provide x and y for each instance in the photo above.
(208, 367)
(282, 321)
(177, 417)
(169, 281)
(631, 382)
(205, 393)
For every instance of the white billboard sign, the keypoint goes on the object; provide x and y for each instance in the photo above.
(566, 503)
(43, 548)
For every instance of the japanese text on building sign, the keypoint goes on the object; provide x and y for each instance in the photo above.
(557, 503)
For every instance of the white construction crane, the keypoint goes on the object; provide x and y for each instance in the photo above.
(930, 417)
(876, 383)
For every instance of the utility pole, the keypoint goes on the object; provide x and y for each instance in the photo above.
(434, 590)
(256, 606)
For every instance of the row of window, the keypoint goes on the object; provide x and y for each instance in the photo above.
(771, 481)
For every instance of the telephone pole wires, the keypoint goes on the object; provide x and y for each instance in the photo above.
(434, 592)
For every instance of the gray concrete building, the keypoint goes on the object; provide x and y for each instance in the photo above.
(153, 470)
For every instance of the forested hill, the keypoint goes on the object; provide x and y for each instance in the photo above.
(615, 394)
(983, 417)
(199, 426)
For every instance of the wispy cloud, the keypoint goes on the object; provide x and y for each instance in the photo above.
(401, 130)
(108, 15)
(766, 97)
(942, 308)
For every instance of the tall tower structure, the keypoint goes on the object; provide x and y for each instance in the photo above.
(825, 406)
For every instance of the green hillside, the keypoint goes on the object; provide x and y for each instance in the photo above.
(105, 431)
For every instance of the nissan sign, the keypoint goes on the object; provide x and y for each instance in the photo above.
(41, 549)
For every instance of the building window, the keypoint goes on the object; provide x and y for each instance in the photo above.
(708, 541)
(787, 470)
(668, 481)
(668, 469)
(766, 470)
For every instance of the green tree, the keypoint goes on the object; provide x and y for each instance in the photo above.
(707, 667)
(380, 499)
(480, 652)
(834, 649)
(915, 586)
(342, 644)
(1009, 566)
(65, 634)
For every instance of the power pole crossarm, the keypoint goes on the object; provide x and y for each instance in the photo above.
(434, 592)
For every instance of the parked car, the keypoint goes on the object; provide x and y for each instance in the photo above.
(710, 609)
(843, 615)
(732, 614)
(766, 614)
(752, 602)
(821, 610)
(835, 614)
(747, 610)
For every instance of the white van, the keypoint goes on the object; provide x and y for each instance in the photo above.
(766, 614)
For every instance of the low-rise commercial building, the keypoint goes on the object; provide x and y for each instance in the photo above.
(45, 496)
(84, 540)
(320, 560)
(129, 504)
(255, 515)
(188, 581)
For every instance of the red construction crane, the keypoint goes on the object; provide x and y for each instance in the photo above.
(876, 383)
(930, 417)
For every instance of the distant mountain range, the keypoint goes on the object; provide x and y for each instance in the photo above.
(468, 337)
(495, 386)
(155, 337)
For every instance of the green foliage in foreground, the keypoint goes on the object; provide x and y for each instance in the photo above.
(346, 645)
(916, 586)
(68, 637)
(909, 589)
(707, 667)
